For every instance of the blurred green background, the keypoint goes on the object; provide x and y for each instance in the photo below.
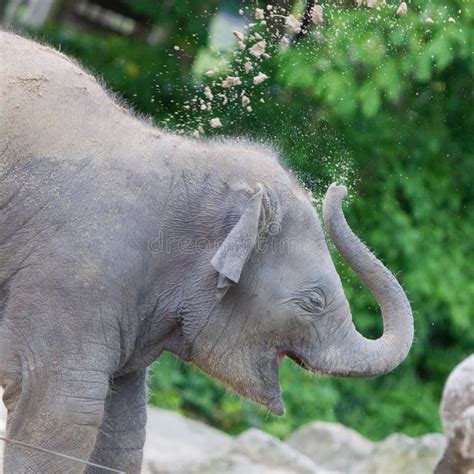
(378, 101)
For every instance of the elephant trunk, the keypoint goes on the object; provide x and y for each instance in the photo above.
(369, 357)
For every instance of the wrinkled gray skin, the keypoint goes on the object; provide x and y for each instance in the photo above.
(119, 241)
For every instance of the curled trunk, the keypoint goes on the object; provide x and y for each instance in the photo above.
(370, 357)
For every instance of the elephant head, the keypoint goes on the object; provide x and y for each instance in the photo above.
(271, 290)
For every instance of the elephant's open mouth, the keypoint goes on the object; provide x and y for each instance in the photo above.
(295, 357)
(275, 404)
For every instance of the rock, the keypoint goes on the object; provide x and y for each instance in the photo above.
(458, 394)
(459, 455)
(259, 14)
(400, 453)
(402, 9)
(215, 122)
(457, 417)
(259, 78)
(317, 15)
(231, 81)
(178, 445)
(3, 421)
(464, 436)
(258, 49)
(175, 444)
(332, 446)
(256, 452)
(293, 24)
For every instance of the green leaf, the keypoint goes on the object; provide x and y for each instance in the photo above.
(369, 97)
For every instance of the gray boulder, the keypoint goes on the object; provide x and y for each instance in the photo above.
(3, 421)
(332, 446)
(399, 453)
(256, 452)
(457, 417)
(459, 455)
(458, 395)
(176, 444)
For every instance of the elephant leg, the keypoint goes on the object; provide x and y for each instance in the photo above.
(59, 412)
(61, 353)
(122, 433)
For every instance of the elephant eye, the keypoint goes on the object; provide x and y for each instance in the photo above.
(312, 302)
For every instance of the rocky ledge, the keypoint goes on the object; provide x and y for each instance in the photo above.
(178, 445)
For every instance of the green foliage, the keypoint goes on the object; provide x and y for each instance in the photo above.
(380, 102)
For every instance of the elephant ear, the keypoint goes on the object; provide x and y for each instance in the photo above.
(231, 256)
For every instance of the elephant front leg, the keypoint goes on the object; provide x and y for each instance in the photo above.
(61, 347)
(122, 433)
(58, 412)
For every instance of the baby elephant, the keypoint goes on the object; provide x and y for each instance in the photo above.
(119, 241)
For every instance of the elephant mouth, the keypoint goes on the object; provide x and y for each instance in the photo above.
(270, 395)
(295, 357)
(276, 405)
